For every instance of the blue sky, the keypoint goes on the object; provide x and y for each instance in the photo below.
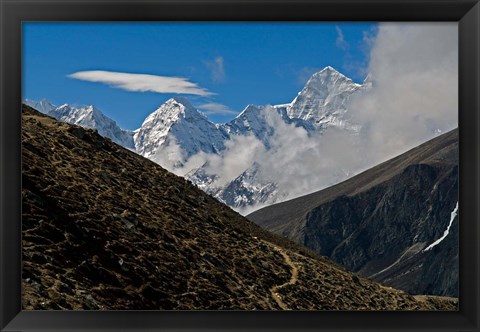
(219, 67)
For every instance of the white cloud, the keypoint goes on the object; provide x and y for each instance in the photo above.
(369, 37)
(215, 108)
(415, 71)
(170, 156)
(300, 163)
(239, 154)
(142, 82)
(217, 69)
(340, 42)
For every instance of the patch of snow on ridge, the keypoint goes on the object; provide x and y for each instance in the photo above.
(447, 231)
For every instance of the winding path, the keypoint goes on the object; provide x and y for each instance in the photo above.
(293, 280)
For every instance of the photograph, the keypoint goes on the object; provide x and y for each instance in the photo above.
(300, 166)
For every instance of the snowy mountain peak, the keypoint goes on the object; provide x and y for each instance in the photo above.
(181, 100)
(85, 116)
(171, 111)
(43, 105)
(324, 98)
(327, 78)
(328, 70)
(177, 121)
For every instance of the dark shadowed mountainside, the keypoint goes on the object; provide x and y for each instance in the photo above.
(395, 223)
(104, 228)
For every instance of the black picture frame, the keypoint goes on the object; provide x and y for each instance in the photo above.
(14, 12)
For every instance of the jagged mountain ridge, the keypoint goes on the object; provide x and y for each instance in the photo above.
(43, 105)
(382, 223)
(88, 117)
(321, 105)
(176, 131)
(104, 228)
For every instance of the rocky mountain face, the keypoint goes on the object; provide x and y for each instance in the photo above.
(176, 131)
(396, 223)
(104, 228)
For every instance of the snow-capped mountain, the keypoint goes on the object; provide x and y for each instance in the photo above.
(322, 104)
(92, 117)
(88, 117)
(43, 105)
(177, 122)
(176, 131)
(324, 99)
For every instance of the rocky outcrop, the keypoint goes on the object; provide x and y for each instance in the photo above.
(384, 223)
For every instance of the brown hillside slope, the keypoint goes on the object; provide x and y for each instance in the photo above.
(104, 228)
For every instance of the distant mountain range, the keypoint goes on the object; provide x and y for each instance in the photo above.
(106, 229)
(396, 223)
(85, 116)
(176, 131)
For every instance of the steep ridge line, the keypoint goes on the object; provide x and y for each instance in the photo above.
(292, 281)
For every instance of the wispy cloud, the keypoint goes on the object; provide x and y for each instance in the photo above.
(353, 64)
(415, 93)
(341, 43)
(216, 108)
(368, 40)
(217, 69)
(142, 82)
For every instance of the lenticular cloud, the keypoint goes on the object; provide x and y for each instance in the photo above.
(142, 82)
